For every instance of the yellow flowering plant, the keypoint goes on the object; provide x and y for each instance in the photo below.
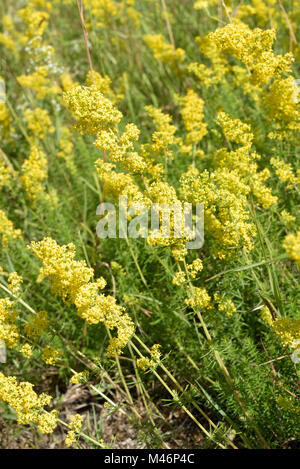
(114, 111)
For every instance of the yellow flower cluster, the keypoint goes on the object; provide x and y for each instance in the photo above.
(67, 82)
(37, 325)
(7, 230)
(102, 121)
(103, 85)
(14, 282)
(71, 280)
(97, 115)
(285, 172)
(201, 4)
(254, 49)
(165, 52)
(107, 12)
(66, 149)
(242, 160)
(179, 278)
(160, 192)
(36, 22)
(9, 332)
(6, 175)
(33, 176)
(39, 122)
(28, 405)
(192, 114)
(225, 207)
(164, 135)
(92, 110)
(266, 315)
(281, 104)
(121, 147)
(50, 355)
(119, 183)
(195, 267)
(5, 121)
(26, 350)
(291, 244)
(198, 298)
(287, 218)
(287, 329)
(79, 377)
(235, 130)
(6, 38)
(224, 304)
(214, 73)
(75, 427)
(263, 10)
(144, 362)
(40, 82)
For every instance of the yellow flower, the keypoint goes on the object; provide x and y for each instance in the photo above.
(165, 52)
(15, 281)
(71, 280)
(39, 122)
(5, 122)
(40, 82)
(266, 315)
(201, 4)
(192, 114)
(287, 218)
(195, 267)
(26, 350)
(75, 427)
(47, 421)
(79, 377)
(144, 362)
(50, 355)
(66, 149)
(67, 82)
(7, 230)
(36, 325)
(291, 244)
(287, 329)
(284, 171)
(28, 405)
(199, 298)
(235, 130)
(35, 20)
(34, 173)
(179, 278)
(93, 112)
(224, 304)
(9, 332)
(254, 49)
(164, 135)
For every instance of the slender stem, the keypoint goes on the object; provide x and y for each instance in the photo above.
(85, 38)
(168, 24)
(289, 25)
